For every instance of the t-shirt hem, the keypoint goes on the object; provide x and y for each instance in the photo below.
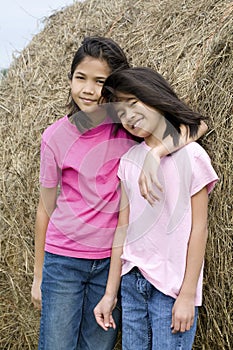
(125, 270)
(48, 184)
(78, 254)
(209, 183)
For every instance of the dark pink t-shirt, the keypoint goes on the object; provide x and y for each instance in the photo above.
(84, 166)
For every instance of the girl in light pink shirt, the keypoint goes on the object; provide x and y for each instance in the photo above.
(159, 249)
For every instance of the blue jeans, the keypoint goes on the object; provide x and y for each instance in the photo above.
(147, 315)
(71, 288)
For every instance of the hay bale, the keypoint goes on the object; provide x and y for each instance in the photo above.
(191, 44)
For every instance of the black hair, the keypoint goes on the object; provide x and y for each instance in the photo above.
(152, 89)
(101, 48)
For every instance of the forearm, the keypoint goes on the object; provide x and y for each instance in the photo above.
(167, 146)
(40, 233)
(114, 276)
(197, 242)
(148, 176)
(46, 206)
(195, 257)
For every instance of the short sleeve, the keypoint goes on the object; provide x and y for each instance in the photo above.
(203, 173)
(49, 172)
(121, 172)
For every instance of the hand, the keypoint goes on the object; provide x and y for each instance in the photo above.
(36, 293)
(103, 312)
(183, 313)
(148, 177)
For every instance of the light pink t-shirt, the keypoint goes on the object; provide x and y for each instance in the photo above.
(157, 236)
(85, 168)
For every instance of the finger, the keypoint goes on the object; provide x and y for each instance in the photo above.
(156, 182)
(36, 303)
(107, 321)
(176, 326)
(146, 181)
(100, 320)
(112, 322)
(153, 195)
(150, 200)
(143, 184)
(147, 191)
(189, 324)
(173, 322)
(37, 306)
(183, 326)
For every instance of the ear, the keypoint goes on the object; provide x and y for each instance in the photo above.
(69, 76)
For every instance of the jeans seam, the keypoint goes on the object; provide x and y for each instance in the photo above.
(149, 330)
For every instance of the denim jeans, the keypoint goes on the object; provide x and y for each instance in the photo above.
(147, 315)
(71, 288)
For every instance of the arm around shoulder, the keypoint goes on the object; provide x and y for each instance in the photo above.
(149, 173)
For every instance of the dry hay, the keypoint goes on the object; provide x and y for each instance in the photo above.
(190, 43)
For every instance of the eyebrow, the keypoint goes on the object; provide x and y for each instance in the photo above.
(123, 99)
(77, 72)
(83, 74)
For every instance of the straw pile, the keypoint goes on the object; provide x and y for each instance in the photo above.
(190, 42)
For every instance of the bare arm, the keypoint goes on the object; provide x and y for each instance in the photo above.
(148, 175)
(103, 310)
(46, 206)
(183, 310)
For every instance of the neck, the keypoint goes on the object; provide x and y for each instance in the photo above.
(156, 137)
(97, 116)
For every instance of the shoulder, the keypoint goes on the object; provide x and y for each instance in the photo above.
(134, 151)
(54, 130)
(134, 157)
(51, 128)
(196, 151)
(192, 159)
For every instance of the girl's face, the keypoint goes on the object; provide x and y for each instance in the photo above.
(87, 81)
(140, 119)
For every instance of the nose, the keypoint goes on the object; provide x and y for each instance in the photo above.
(125, 112)
(89, 88)
(129, 114)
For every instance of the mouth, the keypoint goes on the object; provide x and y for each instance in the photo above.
(137, 123)
(87, 100)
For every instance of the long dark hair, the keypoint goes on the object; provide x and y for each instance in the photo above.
(152, 89)
(101, 48)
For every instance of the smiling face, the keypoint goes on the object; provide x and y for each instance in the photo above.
(139, 119)
(87, 81)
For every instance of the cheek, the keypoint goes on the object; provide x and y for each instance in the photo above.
(74, 87)
(98, 91)
(125, 125)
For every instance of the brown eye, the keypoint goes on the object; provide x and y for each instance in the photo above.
(133, 103)
(120, 114)
(100, 81)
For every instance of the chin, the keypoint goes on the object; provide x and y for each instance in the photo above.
(89, 109)
(139, 133)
